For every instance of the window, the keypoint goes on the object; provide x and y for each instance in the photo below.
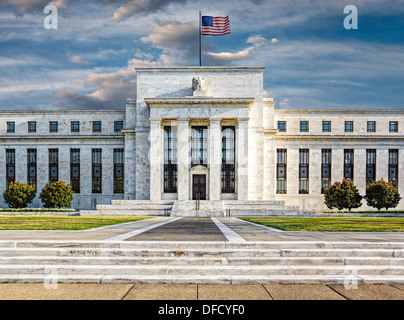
(371, 126)
(31, 126)
(96, 126)
(170, 159)
(304, 126)
(325, 169)
(393, 126)
(31, 166)
(281, 171)
(348, 126)
(96, 160)
(118, 126)
(118, 170)
(393, 167)
(228, 160)
(303, 171)
(370, 166)
(199, 145)
(75, 126)
(75, 170)
(348, 164)
(282, 126)
(326, 126)
(53, 126)
(10, 127)
(53, 165)
(10, 166)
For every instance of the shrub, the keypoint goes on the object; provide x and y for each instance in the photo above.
(382, 194)
(343, 195)
(57, 194)
(19, 195)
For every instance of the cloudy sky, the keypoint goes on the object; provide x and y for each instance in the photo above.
(311, 60)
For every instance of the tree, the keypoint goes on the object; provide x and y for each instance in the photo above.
(343, 195)
(57, 194)
(19, 195)
(382, 194)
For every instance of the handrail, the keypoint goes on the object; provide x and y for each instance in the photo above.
(197, 203)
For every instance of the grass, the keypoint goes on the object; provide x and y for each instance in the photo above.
(18, 222)
(357, 224)
(36, 210)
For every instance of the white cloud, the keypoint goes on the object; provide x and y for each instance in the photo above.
(78, 60)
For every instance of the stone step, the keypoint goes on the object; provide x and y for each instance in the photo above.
(151, 252)
(239, 279)
(83, 244)
(201, 270)
(66, 260)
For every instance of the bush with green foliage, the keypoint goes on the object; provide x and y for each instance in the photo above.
(19, 194)
(343, 195)
(382, 194)
(57, 194)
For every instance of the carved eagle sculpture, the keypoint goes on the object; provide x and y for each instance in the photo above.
(199, 84)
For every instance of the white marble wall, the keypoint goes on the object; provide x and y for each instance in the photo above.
(63, 140)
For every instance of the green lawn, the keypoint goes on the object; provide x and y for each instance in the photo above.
(25, 222)
(333, 224)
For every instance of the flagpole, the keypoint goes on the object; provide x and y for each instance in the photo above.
(200, 39)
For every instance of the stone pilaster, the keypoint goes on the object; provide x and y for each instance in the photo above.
(183, 159)
(215, 156)
(155, 160)
(130, 165)
(242, 160)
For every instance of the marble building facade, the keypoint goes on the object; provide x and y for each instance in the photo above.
(203, 133)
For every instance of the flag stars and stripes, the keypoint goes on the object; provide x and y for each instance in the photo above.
(215, 26)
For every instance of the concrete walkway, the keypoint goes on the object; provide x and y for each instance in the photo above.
(195, 229)
(36, 291)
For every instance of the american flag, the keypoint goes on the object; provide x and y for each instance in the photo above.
(215, 26)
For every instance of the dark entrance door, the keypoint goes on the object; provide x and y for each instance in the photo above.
(199, 187)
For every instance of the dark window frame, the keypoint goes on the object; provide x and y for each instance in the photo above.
(31, 126)
(119, 170)
(326, 126)
(170, 160)
(371, 126)
(282, 126)
(304, 161)
(348, 126)
(53, 161)
(326, 163)
(10, 127)
(96, 164)
(228, 172)
(97, 126)
(75, 126)
(281, 171)
(304, 126)
(75, 165)
(53, 126)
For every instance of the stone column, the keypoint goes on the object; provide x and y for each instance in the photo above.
(183, 159)
(130, 165)
(242, 160)
(269, 167)
(215, 156)
(155, 160)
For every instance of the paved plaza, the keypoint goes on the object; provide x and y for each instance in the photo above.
(195, 229)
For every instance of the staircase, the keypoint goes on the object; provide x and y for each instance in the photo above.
(202, 262)
(207, 208)
(194, 208)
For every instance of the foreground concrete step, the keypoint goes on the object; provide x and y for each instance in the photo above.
(200, 244)
(111, 252)
(174, 260)
(240, 279)
(193, 270)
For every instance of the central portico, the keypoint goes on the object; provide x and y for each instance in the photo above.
(190, 132)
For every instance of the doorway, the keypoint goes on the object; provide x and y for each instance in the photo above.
(199, 187)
